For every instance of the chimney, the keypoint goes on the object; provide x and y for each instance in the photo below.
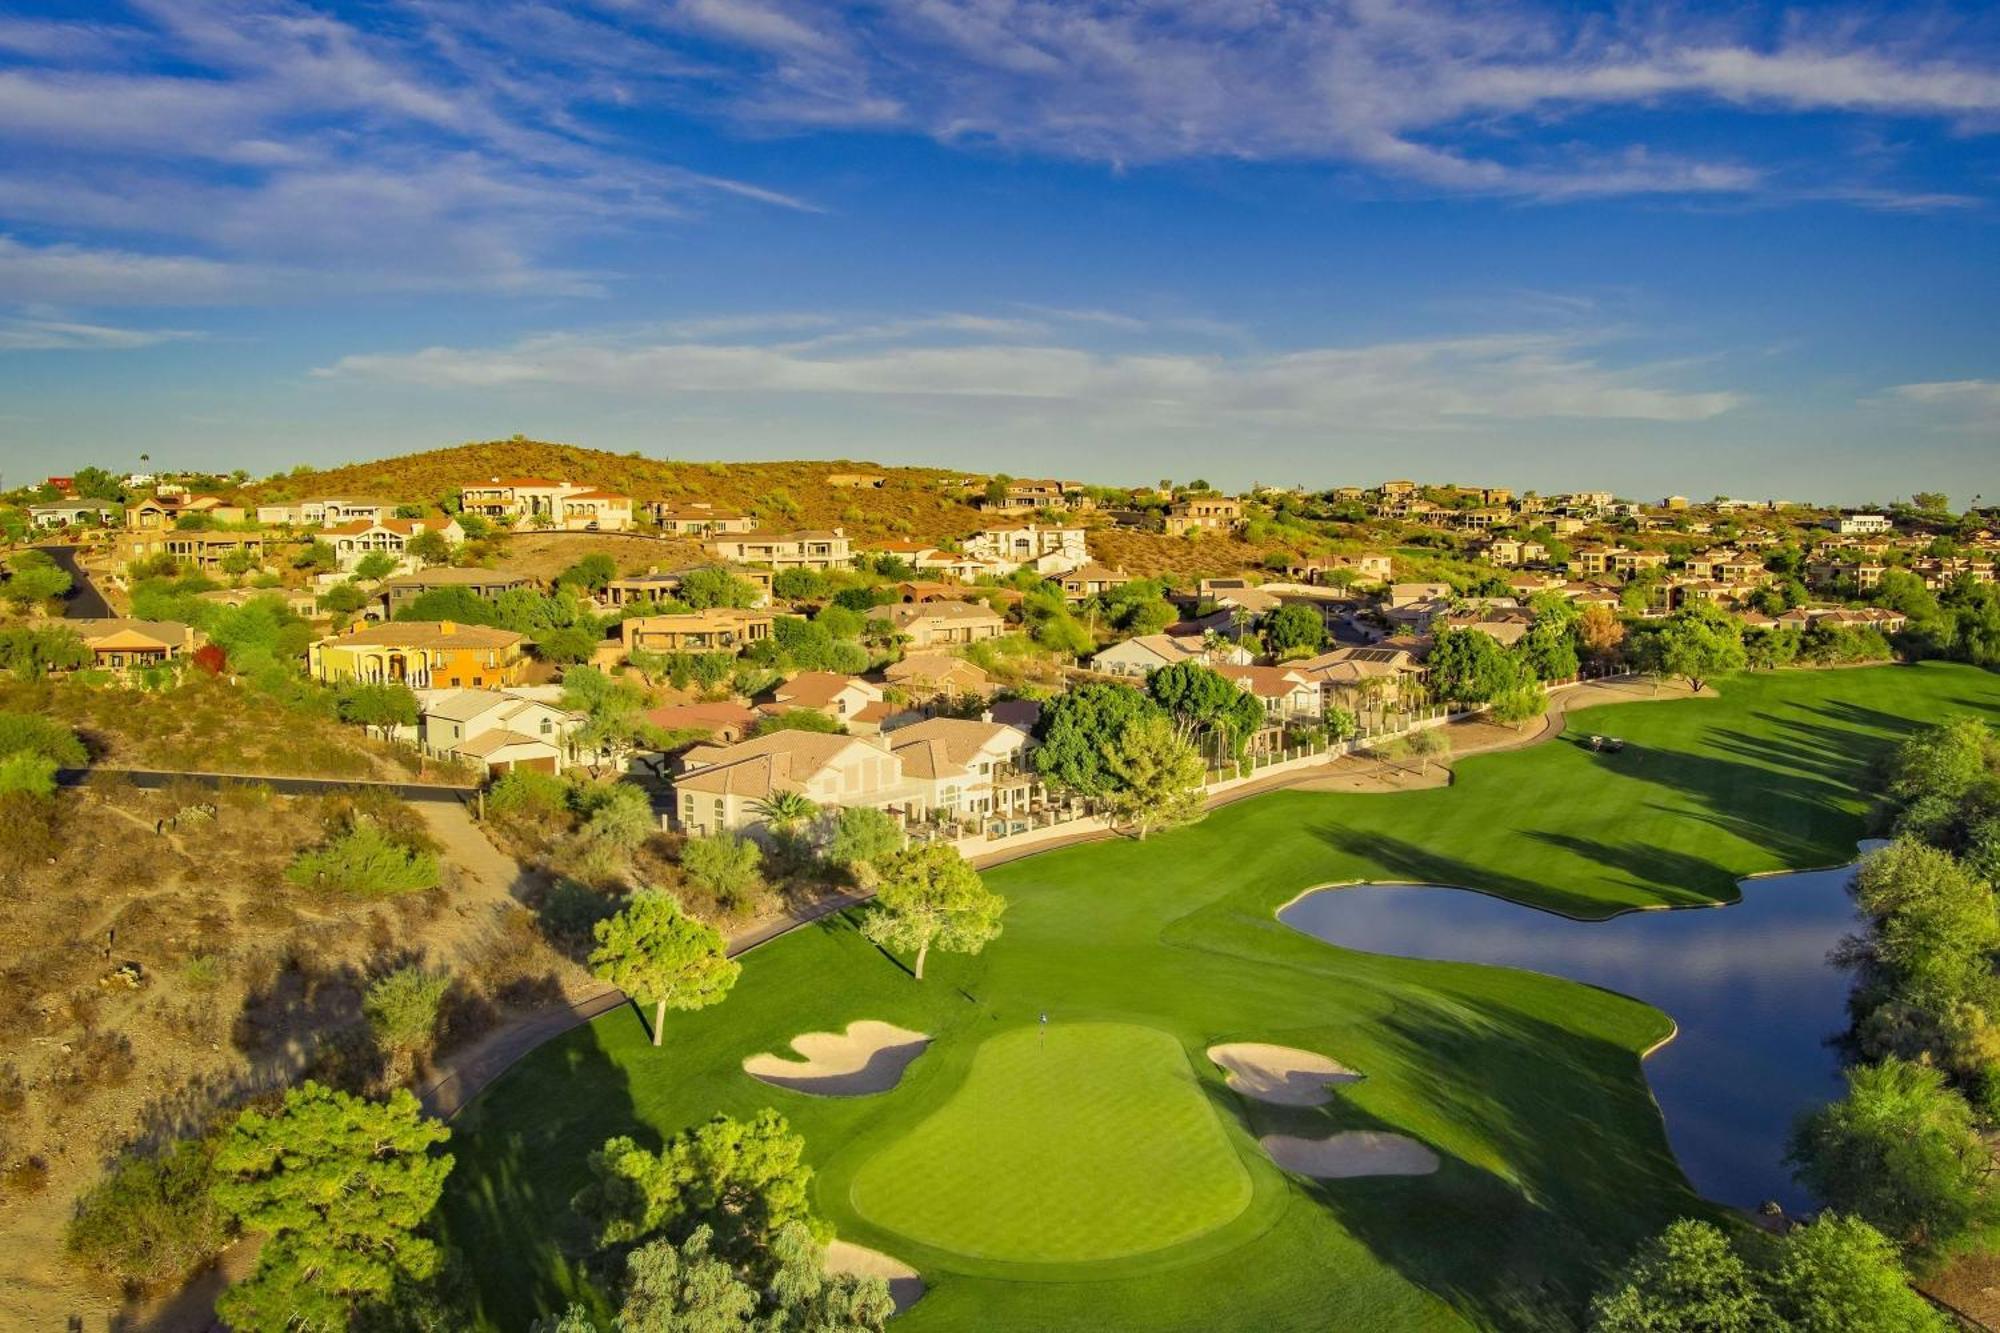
(985, 715)
(447, 627)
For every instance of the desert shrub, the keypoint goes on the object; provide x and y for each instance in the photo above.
(13, 1092)
(724, 867)
(152, 1221)
(530, 797)
(570, 910)
(28, 773)
(42, 736)
(365, 861)
(25, 1178)
(202, 972)
(402, 1008)
(99, 1060)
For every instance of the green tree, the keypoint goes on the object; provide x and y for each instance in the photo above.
(863, 836)
(366, 861)
(31, 652)
(28, 773)
(800, 585)
(1470, 666)
(1520, 705)
(375, 565)
(317, 555)
(1688, 1279)
(43, 736)
(930, 895)
(1294, 631)
(1943, 760)
(1840, 1275)
(796, 719)
(1700, 642)
(746, 1179)
(33, 578)
(344, 598)
(785, 811)
(1901, 1151)
(1427, 745)
(653, 950)
(593, 573)
(341, 1187)
(382, 705)
(685, 1288)
(430, 547)
(713, 586)
(1075, 727)
(1156, 776)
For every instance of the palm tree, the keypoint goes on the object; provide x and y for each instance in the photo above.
(786, 810)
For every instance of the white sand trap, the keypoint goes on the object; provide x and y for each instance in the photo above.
(1282, 1075)
(869, 1057)
(1357, 1152)
(906, 1286)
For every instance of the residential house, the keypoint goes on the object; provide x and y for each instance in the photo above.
(962, 769)
(1407, 594)
(720, 629)
(1363, 681)
(1204, 513)
(1393, 489)
(1288, 695)
(856, 481)
(68, 514)
(1046, 550)
(541, 502)
(855, 703)
(1860, 524)
(941, 624)
(1091, 580)
(724, 720)
(165, 511)
(1040, 494)
(1370, 568)
(399, 591)
(1137, 658)
(1862, 574)
(354, 542)
(659, 585)
(120, 644)
(1631, 564)
(497, 730)
(423, 654)
(1727, 566)
(722, 788)
(1513, 552)
(698, 519)
(933, 677)
(324, 512)
(299, 601)
(204, 551)
(815, 549)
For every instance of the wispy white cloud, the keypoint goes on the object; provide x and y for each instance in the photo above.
(1425, 386)
(1955, 404)
(23, 334)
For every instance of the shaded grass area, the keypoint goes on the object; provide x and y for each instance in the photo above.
(1528, 1087)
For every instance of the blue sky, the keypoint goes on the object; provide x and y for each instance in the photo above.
(1702, 249)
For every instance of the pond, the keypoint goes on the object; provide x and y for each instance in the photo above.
(1748, 985)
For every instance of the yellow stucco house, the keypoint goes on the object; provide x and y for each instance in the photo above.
(423, 654)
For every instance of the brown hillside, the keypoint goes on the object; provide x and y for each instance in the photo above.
(913, 504)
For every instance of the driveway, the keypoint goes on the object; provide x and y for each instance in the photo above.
(84, 600)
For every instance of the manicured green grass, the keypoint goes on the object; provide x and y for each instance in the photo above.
(1554, 1163)
(1046, 1151)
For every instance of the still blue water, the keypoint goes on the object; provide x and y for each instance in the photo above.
(1748, 985)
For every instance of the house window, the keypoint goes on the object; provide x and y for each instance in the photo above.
(454, 682)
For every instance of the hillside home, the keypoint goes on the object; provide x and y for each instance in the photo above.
(1850, 525)
(1091, 580)
(69, 514)
(204, 551)
(720, 629)
(926, 678)
(849, 700)
(1204, 513)
(423, 654)
(497, 731)
(1140, 657)
(821, 549)
(538, 502)
(698, 519)
(1288, 695)
(164, 511)
(395, 593)
(119, 644)
(354, 542)
(940, 624)
(1046, 550)
(594, 511)
(722, 788)
(324, 512)
(962, 769)
(856, 481)
(657, 585)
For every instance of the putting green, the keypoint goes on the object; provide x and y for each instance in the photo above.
(1091, 1142)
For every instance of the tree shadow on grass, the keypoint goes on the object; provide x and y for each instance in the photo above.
(1673, 877)
(1409, 862)
(1581, 1171)
(521, 1153)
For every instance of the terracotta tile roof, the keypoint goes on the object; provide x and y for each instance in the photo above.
(426, 634)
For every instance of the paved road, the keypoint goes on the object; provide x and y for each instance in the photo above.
(151, 778)
(84, 599)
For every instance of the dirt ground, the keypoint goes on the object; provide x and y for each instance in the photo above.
(158, 970)
(543, 555)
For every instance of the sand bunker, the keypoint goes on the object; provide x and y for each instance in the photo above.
(869, 1057)
(1357, 1152)
(1281, 1075)
(906, 1287)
